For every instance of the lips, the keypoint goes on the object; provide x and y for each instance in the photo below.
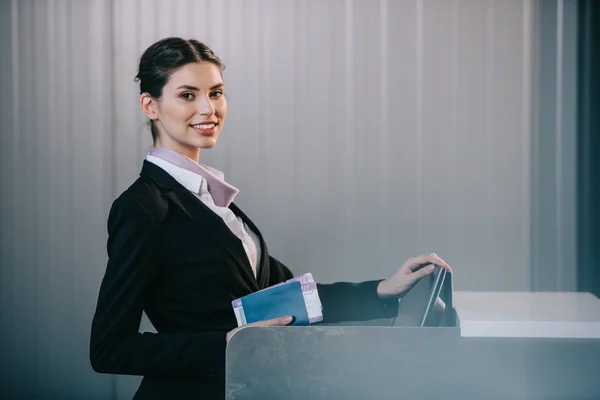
(204, 128)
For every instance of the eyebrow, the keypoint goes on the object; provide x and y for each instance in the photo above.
(188, 87)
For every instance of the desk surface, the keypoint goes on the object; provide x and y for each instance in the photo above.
(528, 314)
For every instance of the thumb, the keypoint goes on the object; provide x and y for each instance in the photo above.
(423, 272)
(279, 321)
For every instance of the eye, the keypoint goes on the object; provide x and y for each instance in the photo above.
(187, 96)
(216, 93)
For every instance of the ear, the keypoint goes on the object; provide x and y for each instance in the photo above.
(149, 106)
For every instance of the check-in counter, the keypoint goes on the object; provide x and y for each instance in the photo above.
(509, 345)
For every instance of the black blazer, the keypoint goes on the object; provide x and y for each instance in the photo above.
(172, 257)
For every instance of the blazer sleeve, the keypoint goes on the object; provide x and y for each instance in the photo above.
(344, 301)
(116, 345)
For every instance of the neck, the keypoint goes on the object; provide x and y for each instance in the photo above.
(194, 154)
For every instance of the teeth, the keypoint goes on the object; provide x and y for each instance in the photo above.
(203, 126)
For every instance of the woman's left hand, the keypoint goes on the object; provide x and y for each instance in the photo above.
(409, 274)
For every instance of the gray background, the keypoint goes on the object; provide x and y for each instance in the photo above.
(359, 133)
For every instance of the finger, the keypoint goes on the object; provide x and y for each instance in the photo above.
(415, 263)
(430, 258)
(279, 321)
(442, 263)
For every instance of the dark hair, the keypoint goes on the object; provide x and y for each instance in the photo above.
(161, 59)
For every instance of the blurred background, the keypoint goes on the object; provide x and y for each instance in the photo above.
(359, 132)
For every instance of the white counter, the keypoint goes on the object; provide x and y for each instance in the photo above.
(528, 314)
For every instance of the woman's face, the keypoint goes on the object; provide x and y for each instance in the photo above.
(190, 114)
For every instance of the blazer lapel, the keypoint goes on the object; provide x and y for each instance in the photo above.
(203, 216)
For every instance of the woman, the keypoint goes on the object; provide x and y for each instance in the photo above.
(181, 250)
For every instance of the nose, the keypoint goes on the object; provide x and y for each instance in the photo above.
(205, 106)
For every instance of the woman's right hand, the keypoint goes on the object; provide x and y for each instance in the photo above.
(279, 321)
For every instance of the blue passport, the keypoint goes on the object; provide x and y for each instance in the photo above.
(278, 301)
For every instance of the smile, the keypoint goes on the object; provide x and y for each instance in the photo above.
(203, 127)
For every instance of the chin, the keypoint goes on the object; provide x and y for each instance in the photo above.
(207, 143)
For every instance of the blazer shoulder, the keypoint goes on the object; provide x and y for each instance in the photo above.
(144, 194)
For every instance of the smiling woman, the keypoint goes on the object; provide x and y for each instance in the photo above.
(182, 93)
(181, 250)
